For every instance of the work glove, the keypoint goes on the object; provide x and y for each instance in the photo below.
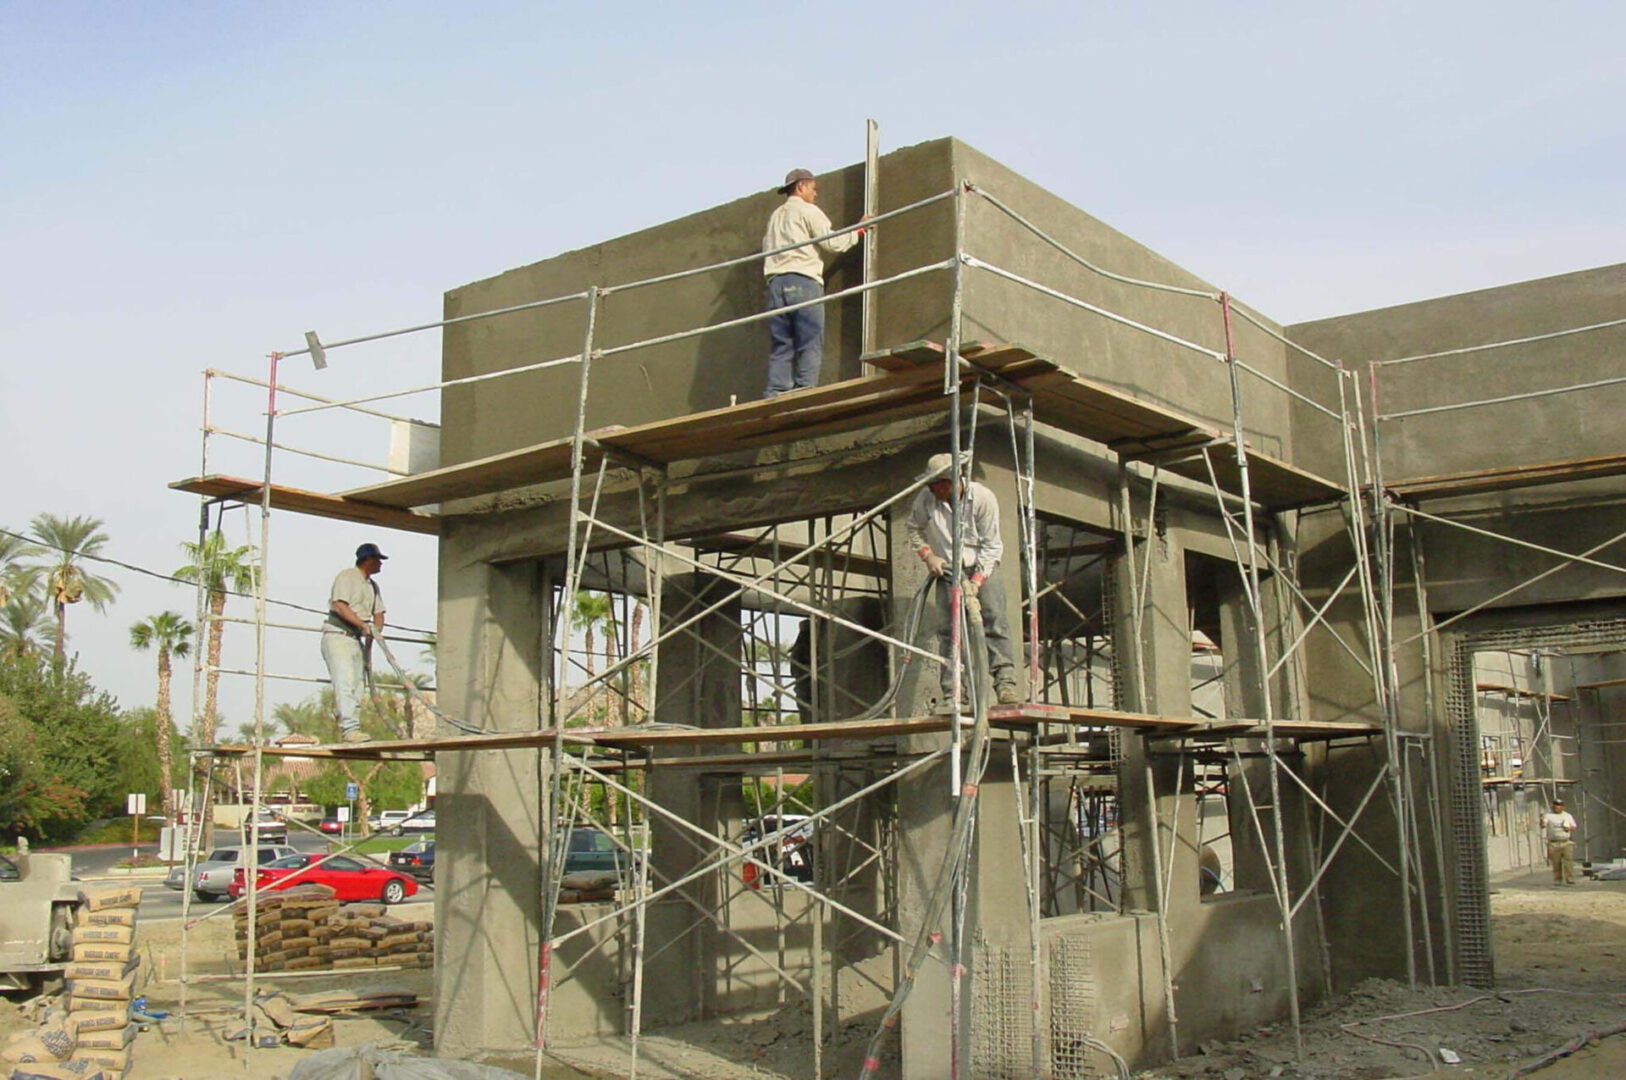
(936, 565)
(973, 586)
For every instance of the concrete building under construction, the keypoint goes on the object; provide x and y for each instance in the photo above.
(1312, 619)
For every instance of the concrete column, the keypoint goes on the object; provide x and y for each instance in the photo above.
(1166, 654)
(699, 685)
(492, 670)
(925, 821)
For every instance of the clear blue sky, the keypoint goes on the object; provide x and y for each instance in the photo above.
(195, 185)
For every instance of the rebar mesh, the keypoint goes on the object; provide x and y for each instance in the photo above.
(1072, 1005)
(1002, 1015)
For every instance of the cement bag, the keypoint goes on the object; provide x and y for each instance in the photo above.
(100, 969)
(118, 916)
(82, 1022)
(102, 897)
(53, 1042)
(111, 1039)
(114, 1061)
(116, 935)
(84, 1004)
(67, 1070)
(104, 989)
(101, 950)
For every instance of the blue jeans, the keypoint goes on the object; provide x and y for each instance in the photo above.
(347, 667)
(798, 337)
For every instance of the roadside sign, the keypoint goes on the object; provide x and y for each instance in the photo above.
(352, 792)
(343, 813)
(135, 803)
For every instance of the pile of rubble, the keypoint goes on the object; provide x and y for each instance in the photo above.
(305, 929)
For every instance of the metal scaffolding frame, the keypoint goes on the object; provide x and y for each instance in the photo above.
(1048, 751)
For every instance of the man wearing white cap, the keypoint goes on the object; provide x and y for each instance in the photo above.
(795, 277)
(1558, 827)
(929, 531)
(355, 615)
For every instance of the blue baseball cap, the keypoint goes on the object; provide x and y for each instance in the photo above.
(369, 551)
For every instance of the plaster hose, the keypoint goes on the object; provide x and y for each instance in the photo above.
(954, 857)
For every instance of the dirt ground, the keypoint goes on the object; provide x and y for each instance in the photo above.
(1560, 957)
(1560, 964)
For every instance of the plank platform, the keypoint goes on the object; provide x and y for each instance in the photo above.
(1517, 692)
(1600, 685)
(1007, 717)
(1507, 478)
(909, 384)
(315, 503)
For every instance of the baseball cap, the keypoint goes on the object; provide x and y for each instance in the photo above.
(792, 178)
(369, 551)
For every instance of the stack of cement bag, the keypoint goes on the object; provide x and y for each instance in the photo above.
(88, 1034)
(364, 936)
(290, 928)
(305, 929)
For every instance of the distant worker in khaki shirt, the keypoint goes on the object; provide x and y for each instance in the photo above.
(795, 277)
(355, 615)
(1558, 827)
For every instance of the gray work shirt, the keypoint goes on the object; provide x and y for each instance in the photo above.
(360, 592)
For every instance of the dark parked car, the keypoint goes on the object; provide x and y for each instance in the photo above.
(417, 859)
(593, 849)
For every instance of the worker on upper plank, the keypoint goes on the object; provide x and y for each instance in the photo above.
(929, 525)
(1558, 828)
(355, 615)
(795, 277)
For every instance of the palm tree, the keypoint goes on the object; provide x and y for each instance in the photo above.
(172, 635)
(592, 610)
(67, 581)
(16, 575)
(220, 569)
(24, 625)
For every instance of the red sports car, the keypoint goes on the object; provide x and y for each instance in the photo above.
(350, 878)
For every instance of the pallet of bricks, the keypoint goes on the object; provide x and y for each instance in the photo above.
(304, 928)
(89, 1034)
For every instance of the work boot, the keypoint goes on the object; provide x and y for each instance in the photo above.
(356, 736)
(1009, 694)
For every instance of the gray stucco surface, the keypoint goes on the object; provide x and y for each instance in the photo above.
(1226, 956)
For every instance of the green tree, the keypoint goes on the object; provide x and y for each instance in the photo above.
(17, 574)
(592, 610)
(220, 569)
(62, 747)
(170, 635)
(67, 581)
(25, 628)
(391, 785)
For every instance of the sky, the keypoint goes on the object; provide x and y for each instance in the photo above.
(187, 186)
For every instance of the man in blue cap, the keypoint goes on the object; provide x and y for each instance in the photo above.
(355, 615)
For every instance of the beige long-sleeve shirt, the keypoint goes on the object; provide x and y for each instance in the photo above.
(794, 222)
(930, 524)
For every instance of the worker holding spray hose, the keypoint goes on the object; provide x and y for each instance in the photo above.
(929, 524)
(355, 617)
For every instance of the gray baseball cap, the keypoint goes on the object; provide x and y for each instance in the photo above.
(792, 178)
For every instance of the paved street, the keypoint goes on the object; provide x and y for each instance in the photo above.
(158, 902)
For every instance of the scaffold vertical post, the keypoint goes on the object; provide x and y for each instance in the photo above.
(1251, 589)
(251, 867)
